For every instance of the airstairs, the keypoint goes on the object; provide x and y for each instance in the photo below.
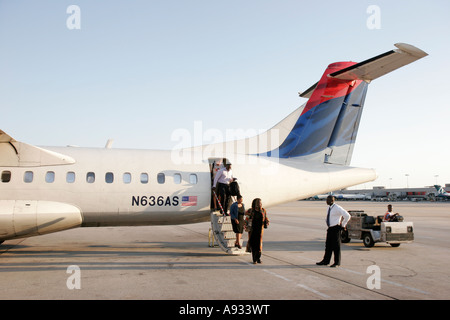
(221, 233)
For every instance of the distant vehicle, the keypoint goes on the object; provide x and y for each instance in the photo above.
(372, 229)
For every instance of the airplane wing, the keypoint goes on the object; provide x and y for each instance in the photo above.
(376, 67)
(18, 154)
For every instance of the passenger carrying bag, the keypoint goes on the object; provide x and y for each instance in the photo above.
(234, 189)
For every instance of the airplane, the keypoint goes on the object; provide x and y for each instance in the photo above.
(441, 192)
(50, 189)
(342, 196)
(321, 196)
(351, 196)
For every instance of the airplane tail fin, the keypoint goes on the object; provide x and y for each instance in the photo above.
(439, 189)
(323, 129)
(328, 123)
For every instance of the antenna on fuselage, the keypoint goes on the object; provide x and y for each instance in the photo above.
(109, 143)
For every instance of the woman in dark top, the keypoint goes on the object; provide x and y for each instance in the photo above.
(237, 211)
(257, 218)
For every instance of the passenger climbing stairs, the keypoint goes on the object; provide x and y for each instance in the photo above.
(221, 233)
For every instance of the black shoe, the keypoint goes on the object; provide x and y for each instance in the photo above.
(321, 263)
(334, 265)
(259, 261)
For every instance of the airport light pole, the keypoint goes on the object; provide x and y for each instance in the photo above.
(407, 180)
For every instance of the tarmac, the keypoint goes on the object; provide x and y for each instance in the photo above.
(176, 263)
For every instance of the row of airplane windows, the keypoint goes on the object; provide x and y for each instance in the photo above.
(28, 177)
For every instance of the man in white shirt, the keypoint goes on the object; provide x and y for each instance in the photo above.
(222, 180)
(389, 215)
(337, 219)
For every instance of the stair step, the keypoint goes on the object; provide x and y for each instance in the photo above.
(226, 228)
(224, 235)
(229, 235)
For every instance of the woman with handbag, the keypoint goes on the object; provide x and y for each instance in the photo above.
(257, 218)
(237, 211)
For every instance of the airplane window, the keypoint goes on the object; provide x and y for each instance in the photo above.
(28, 176)
(6, 176)
(127, 177)
(161, 178)
(177, 178)
(144, 177)
(90, 177)
(109, 177)
(70, 177)
(193, 178)
(50, 177)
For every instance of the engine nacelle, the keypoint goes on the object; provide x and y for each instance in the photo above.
(22, 218)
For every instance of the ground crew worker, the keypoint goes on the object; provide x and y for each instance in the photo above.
(337, 219)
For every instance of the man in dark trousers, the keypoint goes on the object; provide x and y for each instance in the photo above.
(337, 219)
(222, 180)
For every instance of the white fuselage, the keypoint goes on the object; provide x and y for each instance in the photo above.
(117, 187)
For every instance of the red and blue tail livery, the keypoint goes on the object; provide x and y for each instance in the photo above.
(328, 124)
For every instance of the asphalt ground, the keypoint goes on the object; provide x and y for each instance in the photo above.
(175, 262)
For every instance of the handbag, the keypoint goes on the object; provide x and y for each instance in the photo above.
(248, 225)
(266, 222)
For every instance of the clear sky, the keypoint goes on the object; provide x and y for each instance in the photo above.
(135, 71)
